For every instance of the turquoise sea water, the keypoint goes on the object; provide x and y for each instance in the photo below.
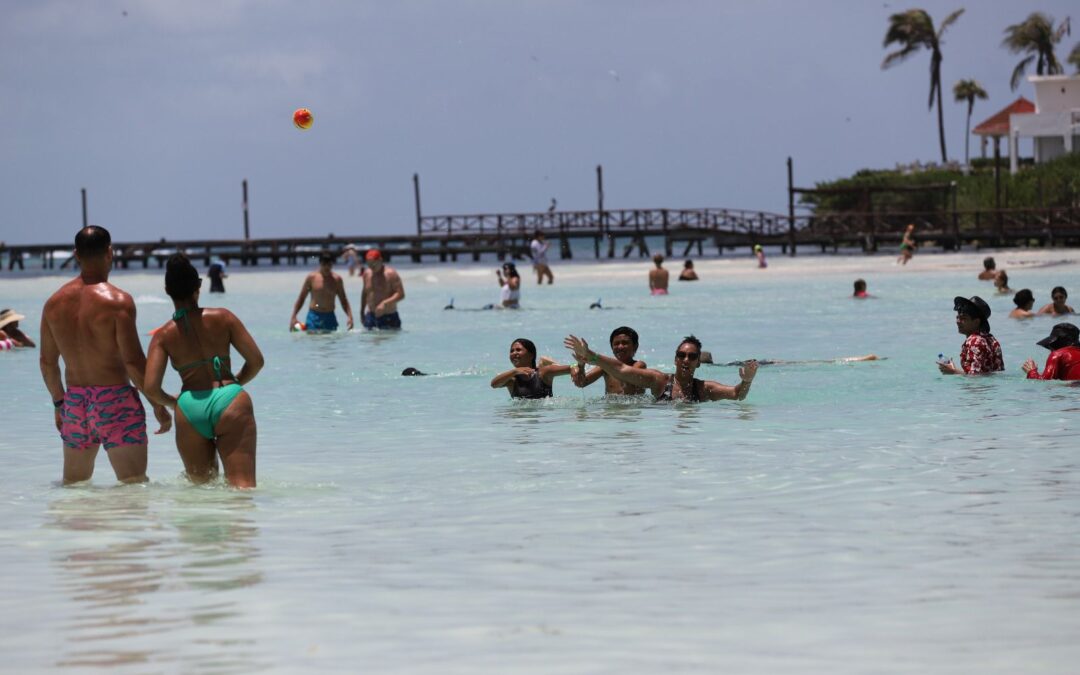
(845, 518)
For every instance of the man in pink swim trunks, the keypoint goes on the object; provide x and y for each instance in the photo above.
(91, 325)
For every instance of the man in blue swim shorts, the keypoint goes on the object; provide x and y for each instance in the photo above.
(382, 292)
(324, 286)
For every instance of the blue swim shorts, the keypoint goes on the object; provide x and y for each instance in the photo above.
(321, 321)
(386, 321)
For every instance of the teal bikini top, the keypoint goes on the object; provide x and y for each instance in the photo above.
(215, 362)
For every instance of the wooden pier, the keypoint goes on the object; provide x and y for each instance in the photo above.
(613, 233)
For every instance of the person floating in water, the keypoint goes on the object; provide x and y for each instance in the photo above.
(989, 270)
(624, 345)
(1001, 283)
(214, 415)
(1064, 360)
(1057, 307)
(526, 379)
(759, 253)
(688, 273)
(324, 286)
(382, 292)
(981, 352)
(860, 290)
(658, 277)
(1024, 301)
(907, 245)
(217, 275)
(510, 284)
(681, 386)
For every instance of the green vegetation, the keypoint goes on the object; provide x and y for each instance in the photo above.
(914, 30)
(1055, 183)
(1035, 36)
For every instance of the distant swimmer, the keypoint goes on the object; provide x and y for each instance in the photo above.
(1001, 283)
(989, 270)
(412, 372)
(90, 324)
(451, 305)
(382, 292)
(907, 245)
(688, 273)
(1024, 301)
(351, 256)
(596, 305)
(325, 286)
(214, 414)
(10, 331)
(1064, 360)
(759, 253)
(981, 352)
(510, 285)
(1057, 307)
(681, 386)
(860, 290)
(526, 379)
(624, 345)
(658, 277)
(217, 275)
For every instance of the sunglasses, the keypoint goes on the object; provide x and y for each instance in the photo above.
(692, 356)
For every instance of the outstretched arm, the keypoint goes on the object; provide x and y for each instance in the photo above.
(639, 377)
(714, 391)
(131, 354)
(304, 290)
(50, 367)
(550, 372)
(505, 378)
(156, 359)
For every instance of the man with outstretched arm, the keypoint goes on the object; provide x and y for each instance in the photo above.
(91, 325)
(624, 345)
(682, 385)
(325, 286)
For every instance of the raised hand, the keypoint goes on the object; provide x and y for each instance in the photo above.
(748, 370)
(579, 346)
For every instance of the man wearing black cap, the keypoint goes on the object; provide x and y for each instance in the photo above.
(1064, 360)
(981, 352)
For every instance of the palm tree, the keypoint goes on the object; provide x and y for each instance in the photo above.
(914, 30)
(968, 90)
(1074, 57)
(1035, 36)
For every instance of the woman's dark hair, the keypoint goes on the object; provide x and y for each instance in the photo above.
(628, 332)
(1059, 289)
(510, 269)
(181, 277)
(692, 340)
(529, 347)
(689, 264)
(1023, 298)
(1004, 276)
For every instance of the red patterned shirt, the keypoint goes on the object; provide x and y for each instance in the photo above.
(981, 353)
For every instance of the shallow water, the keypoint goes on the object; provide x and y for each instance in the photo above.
(862, 517)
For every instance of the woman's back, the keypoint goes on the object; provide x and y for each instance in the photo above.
(193, 340)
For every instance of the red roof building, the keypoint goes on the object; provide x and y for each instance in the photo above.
(998, 124)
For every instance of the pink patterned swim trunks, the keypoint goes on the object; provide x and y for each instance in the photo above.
(112, 416)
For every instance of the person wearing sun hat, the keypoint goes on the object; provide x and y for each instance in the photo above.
(9, 329)
(981, 352)
(1064, 360)
(382, 292)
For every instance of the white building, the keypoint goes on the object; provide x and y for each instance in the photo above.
(1054, 127)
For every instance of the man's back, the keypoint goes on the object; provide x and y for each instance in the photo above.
(83, 319)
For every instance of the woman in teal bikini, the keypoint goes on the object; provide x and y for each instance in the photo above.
(214, 415)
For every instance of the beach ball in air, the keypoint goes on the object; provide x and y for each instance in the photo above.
(303, 118)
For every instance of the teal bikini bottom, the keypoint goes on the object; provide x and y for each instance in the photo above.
(204, 408)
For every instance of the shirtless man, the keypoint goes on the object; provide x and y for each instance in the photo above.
(91, 325)
(658, 278)
(382, 292)
(989, 269)
(323, 285)
(680, 386)
(624, 344)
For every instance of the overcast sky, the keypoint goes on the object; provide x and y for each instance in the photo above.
(160, 109)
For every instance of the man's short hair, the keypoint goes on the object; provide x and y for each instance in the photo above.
(326, 257)
(628, 332)
(988, 263)
(92, 241)
(860, 284)
(692, 340)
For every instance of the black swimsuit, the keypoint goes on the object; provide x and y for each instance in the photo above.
(530, 386)
(697, 387)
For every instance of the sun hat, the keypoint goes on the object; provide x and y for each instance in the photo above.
(373, 254)
(973, 306)
(1062, 335)
(9, 316)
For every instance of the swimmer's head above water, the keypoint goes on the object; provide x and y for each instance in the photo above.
(523, 353)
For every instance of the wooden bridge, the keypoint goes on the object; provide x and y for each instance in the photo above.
(613, 233)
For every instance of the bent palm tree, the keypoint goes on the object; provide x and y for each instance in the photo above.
(968, 90)
(914, 30)
(1074, 57)
(1036, 36)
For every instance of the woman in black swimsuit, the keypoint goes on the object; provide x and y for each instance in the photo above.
(525, 379)
(682, 385)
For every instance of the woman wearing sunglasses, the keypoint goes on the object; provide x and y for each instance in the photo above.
(680, 386)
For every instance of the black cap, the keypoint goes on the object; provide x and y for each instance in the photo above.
(974, 306)
(1062, 335)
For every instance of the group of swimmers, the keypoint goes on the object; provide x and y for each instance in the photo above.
(382, 291)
